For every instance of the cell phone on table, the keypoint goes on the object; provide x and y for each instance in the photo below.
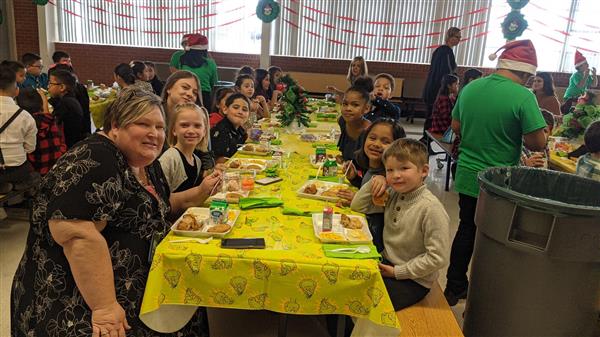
(268, 180)
(248, 243)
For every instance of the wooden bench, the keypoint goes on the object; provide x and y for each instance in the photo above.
(446, 149)
(316, 82)
(430, 317)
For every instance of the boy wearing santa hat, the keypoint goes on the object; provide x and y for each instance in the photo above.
(579, 82)
(492, 117)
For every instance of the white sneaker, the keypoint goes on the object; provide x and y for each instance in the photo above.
(3, 214)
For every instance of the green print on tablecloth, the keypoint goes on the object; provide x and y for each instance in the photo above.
(238, 283)
(193, 262)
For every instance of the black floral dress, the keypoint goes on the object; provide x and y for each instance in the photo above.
(93, 182)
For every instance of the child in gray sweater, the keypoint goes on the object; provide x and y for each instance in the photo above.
(416, 226)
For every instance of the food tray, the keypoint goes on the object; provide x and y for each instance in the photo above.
(233, 214)
(243, 150)
(223, 195)
(245, 162)
(313, 138)
(322, 186)
(337, 228)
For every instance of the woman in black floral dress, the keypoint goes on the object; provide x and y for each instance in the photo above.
(86, 262)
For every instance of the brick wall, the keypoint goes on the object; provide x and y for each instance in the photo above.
(26, 27)
(97, 62)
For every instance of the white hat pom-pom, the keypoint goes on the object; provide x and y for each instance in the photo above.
(493, 56)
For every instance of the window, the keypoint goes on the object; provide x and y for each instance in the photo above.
(380, 30)
(229, 25)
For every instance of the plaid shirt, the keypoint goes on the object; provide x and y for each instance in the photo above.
(442, 113)
(588, 167)
(50, 143)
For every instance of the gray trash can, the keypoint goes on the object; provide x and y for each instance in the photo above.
(536, 265)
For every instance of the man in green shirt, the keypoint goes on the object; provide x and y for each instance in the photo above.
(492, 116)
(579, 82)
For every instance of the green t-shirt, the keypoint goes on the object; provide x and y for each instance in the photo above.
(207, 74)
(573, 91)
(175, 59)
(494, 114)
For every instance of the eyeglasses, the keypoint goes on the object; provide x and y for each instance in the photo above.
(40, 66)
(54, 83)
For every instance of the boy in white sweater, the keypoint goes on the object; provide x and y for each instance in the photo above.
(416, 231)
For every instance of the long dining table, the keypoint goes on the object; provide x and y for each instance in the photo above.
(291, 275)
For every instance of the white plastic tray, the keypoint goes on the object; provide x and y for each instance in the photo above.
(322, 186)
(245, 161)
(317, 219)
(202, 233)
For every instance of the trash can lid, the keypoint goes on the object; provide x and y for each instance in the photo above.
(556, 192)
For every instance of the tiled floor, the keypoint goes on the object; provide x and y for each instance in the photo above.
(13, 233)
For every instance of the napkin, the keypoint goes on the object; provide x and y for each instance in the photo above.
(331, 179)
(328, 146)
(372, 255)
(250, 203)
(295, 211)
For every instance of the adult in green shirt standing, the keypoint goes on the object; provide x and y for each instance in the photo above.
(196, 60)
(579, 83)
(493, 116)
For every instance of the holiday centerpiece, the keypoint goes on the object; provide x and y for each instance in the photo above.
(292, 105)
(575, 122)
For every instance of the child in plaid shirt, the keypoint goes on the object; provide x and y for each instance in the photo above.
(588, 165)
(443, 105)
(50, 139)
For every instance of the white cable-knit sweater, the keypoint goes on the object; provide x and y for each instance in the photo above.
(416, 232)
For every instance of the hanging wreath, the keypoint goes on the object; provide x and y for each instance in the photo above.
(517, 4)
(267, 10)
(40, 2)
(513, 25)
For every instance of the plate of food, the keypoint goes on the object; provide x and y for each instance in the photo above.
(255, 149)
(258, 165)
(345, 229)
(312, 138)
(232, 189)
(321, 190)
(196, 222)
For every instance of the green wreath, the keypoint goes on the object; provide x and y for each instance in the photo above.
(517, 4)
(513, 25)
(267, 10)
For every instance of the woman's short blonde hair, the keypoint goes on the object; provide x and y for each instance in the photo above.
(130, 105)
(172, 139)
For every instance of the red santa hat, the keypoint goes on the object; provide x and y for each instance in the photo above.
(194, 41)
(517, 55)
(579, 59)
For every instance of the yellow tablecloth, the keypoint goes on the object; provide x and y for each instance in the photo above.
(291, 275)
(97, 110)
(562, 163)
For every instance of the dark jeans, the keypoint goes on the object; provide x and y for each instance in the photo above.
(404, 293)
(462, 246)
(16, 174)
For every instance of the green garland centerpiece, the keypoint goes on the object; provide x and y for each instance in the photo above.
(575, 122)
(293, 104)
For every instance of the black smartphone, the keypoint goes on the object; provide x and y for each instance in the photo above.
(254, 243)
